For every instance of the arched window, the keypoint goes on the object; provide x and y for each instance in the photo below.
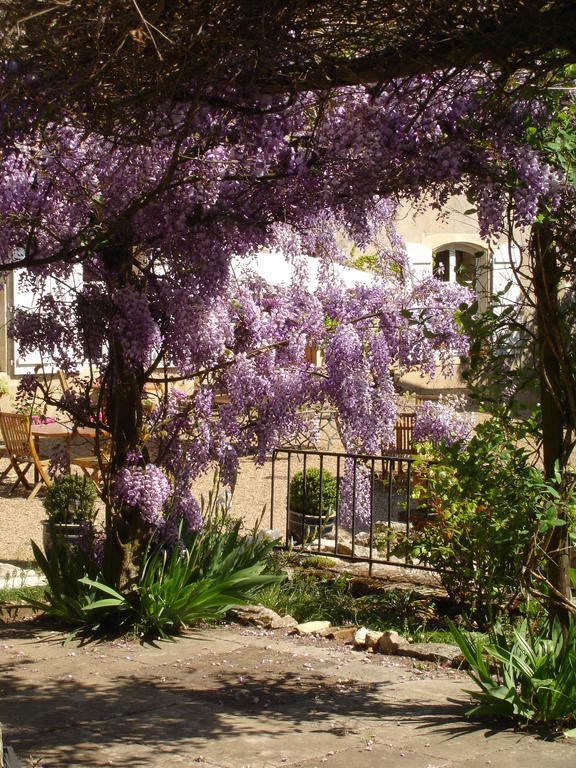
(464, 264)
(451, 265)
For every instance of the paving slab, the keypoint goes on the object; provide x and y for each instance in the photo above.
(234, 698)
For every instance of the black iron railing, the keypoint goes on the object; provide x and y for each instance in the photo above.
(380, 520)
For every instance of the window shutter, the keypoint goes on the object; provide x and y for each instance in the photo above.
(419, 260)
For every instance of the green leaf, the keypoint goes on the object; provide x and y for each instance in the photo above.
(109, 602)
(101, 587)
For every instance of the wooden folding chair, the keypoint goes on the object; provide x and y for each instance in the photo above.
(90, 466)
(64, 383)
(403, 444)
(4, 455)
(22, 452)
(404, 430)
(402, 448)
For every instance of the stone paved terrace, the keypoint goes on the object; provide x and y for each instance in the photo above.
(233, 698)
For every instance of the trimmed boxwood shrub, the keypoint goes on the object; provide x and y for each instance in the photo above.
(309, 503)
(71, 499)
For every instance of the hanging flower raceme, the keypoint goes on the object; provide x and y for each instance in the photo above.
(355, 495)
(441, 422)
(146, 489)
(134, 326)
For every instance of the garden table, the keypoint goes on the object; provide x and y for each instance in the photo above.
(50, 431)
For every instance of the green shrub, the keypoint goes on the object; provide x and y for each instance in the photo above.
(530, 678)
(71, 499)
(305, 496)
(390, 542)
(489, 505)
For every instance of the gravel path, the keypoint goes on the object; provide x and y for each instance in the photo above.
(19, 522)
(20, 519)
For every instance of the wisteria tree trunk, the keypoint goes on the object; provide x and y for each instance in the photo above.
(122, 391)
(128, 531)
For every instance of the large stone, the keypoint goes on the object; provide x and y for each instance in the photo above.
(372, 638)
(360, 637)
(382, 526)
(345, 548)
(326, 546)
(312, 628)
(392, 643)
(284, 622)
(343, 634)
(328, 539)
(363, 538)
(262, 617)
(441, 653)
(344, 535)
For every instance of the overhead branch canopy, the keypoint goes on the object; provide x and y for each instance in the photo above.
(114, 58)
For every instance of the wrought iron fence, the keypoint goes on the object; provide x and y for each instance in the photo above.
(374, 516)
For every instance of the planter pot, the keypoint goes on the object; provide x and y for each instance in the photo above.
(298, 523)
(67, 533)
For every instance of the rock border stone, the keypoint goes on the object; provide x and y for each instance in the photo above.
(388, 642)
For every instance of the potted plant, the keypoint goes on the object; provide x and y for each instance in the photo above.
(312, 504)
(70, 510)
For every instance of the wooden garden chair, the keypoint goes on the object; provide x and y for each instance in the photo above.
(402, 447)
(93, 463)
(404, 431)
(22, 452)
(64, 383)
(4, 455)
(403, 444)
(90, 466)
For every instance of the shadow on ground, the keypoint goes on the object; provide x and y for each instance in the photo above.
(81, 704)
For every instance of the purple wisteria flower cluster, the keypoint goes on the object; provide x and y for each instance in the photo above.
(443, 421)
(59, 461)
(164, 502)
(355, 495)
(134, 326)
(144, 488)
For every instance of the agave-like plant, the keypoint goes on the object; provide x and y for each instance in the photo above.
(530, 677)
(210, 571)
(200, 582)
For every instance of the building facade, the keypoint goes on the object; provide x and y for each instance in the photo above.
(449, 246)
